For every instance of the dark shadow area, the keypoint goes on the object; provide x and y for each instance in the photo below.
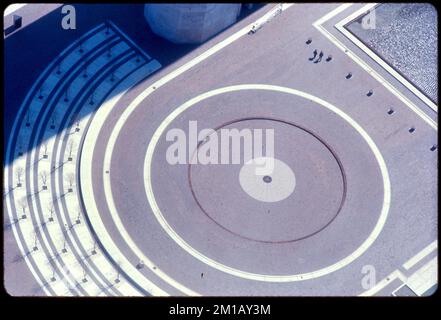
(28, 51)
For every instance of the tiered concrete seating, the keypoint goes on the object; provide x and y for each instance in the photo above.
(42, 198)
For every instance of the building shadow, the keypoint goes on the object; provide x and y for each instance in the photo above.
(29, 50)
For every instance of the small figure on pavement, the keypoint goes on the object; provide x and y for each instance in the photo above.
(319, 58)
(314, 55)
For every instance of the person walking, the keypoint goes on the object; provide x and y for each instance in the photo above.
(319, 57)
(314, 55)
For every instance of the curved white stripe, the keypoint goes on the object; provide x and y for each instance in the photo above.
(86, 177)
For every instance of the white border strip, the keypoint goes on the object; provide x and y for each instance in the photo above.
(427, 250)
(12, 8)
(331, 14)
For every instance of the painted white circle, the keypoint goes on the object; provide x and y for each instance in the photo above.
(267, 179)
(249, 275)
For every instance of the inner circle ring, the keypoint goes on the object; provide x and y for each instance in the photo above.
(255, 276)
(318, 138)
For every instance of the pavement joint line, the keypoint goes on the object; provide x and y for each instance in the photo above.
(22, 109)
(419, 256)
(341, 27)
(318, 25)
(215, 264)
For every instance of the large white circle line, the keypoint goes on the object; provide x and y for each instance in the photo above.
(254, 276)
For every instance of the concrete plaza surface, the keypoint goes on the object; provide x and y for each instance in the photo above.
(365, 168)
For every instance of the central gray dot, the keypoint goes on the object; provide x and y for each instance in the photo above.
(267, 179)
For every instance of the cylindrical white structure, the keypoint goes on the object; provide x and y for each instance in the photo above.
(190, 23)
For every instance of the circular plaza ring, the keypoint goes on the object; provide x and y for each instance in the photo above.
(254, 276)
(317, 226)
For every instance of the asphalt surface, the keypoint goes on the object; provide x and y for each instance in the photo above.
(278, 56)
(339, 190)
